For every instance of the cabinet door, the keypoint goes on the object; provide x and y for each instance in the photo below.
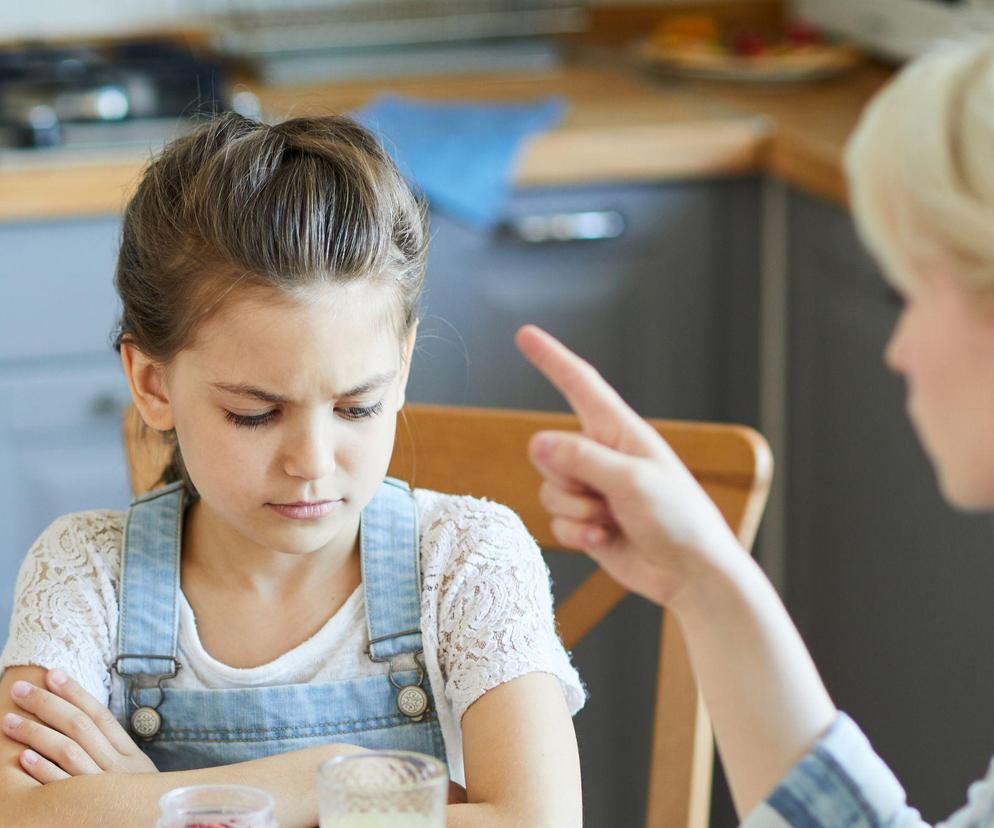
(645, 301)
(58, 282)
(888, 583)
(60, 452)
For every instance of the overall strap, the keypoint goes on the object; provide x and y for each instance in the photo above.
(391, 572)
(148, 594)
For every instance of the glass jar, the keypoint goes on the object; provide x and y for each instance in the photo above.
(216, 806)
(383, 789)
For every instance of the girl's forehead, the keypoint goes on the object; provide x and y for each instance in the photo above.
(328, 337)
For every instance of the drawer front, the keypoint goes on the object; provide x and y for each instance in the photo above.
(58, 292)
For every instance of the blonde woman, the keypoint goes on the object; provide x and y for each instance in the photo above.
(921, 169)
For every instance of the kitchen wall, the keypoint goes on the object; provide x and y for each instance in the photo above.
(55, 18)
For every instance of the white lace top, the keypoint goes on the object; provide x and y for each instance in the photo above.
(486, 614)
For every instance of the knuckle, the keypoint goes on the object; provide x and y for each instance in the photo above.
(106, 718)
(572, 451)
(641, 478)
(564, 532)
(546, 495)
(70, 754)
(589, 509)
(79, 724)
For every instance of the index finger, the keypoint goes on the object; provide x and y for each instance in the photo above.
(602, 411)
(72, 691)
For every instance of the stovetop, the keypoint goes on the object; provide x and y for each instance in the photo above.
(102, 95)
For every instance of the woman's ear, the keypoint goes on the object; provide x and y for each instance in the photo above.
(405, 367)
(146, 379)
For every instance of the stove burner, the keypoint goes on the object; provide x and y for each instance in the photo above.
(44, 89)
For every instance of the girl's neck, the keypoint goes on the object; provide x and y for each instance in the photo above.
(214, 553)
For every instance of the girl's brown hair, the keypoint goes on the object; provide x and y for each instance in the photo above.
(309, 201)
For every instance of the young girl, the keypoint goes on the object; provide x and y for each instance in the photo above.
(279, 602)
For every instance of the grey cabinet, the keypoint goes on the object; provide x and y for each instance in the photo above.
(662, 308)
(61, 388)
(60, 452)
(889, 585)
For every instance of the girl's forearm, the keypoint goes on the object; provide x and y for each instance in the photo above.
(128, 800)
(767, 702)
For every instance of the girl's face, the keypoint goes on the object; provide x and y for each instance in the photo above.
(285, 411)
(943, 345)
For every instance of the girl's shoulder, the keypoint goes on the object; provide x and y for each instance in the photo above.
(457, 531)
(465, 516)
(91, 540)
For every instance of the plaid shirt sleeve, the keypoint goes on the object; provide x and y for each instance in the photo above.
(842, 782)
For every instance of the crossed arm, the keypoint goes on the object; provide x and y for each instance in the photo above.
(69, 762)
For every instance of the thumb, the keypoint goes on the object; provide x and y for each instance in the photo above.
(569, 455)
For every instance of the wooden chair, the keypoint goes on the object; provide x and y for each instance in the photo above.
(483, 452)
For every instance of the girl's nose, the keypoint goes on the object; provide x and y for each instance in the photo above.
(310, 454)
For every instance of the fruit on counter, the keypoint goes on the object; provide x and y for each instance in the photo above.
(688, 33)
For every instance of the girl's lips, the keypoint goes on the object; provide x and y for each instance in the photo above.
(304, 511)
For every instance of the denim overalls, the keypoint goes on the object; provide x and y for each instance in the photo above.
(186, 728)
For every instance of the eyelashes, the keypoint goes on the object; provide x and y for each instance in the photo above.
(255, 421)
(352, 412)
(362, 412)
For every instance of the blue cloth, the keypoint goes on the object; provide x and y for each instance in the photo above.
(842, 783)
(205, 728)
(459, 155)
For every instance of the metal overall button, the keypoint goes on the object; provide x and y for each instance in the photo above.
(412, 699)
(146, 721)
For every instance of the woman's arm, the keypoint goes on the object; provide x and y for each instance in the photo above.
(621, 494)
(107, 800)
(520, 753)
(766, 700)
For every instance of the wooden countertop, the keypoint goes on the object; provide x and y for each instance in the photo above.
(621, 125)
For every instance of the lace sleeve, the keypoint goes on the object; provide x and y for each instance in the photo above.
(65, 603)
(494, 603)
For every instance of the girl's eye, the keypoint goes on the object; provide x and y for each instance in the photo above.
(359, 412)
(249, 422)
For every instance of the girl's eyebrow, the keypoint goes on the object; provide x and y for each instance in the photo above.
(244, 390)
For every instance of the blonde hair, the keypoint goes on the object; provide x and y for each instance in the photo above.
(921, 167)
(240, 204)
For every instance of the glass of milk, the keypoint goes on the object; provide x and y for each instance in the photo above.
(383, 789)
(216, 806)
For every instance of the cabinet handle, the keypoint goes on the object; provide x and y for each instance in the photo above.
(585, 225)
(109, 406)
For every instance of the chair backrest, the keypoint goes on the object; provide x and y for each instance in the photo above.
(482, 452)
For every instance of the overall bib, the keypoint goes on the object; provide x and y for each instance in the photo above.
(182, 729)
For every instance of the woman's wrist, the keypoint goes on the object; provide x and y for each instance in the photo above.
(724, 571)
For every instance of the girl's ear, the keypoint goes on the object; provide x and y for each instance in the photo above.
(405, 368)
(146, 378)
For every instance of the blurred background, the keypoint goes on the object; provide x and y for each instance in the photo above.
(659, 184)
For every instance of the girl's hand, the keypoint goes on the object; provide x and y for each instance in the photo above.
(617, 490)
(74, 734)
